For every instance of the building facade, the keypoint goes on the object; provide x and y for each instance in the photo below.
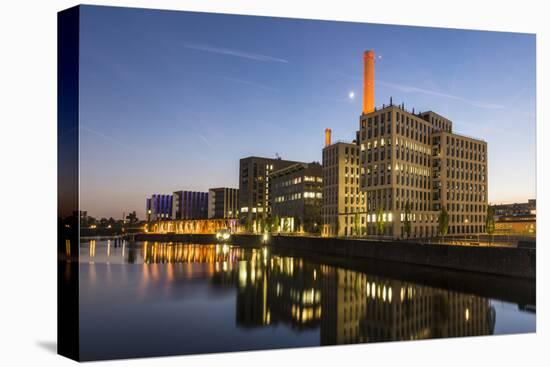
(343, 211)
(519, 225)
(413, 167)
(254, 188)
(158, 207)
(507, 210)
(297, 192)
(190, 205)
(223, 203)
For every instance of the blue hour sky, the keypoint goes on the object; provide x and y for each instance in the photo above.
(172, 100)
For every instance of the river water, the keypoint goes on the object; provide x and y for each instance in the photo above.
(155, 299)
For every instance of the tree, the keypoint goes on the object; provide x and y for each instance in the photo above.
(132, 218)
(357, 225)
(297, 224)
(490, 220)
(277, 224)
(285, 224)
(261, 224)
(269, 223)
(337, 226)
(443, 221)
(407, 222)
(379, 221)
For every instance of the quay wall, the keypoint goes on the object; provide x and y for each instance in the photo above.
(507, 261)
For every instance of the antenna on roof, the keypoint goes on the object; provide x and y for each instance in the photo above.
(277, 156)
(391, 101)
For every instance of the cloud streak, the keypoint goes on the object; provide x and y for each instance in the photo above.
(109, 138)
(247, 82)
(235, 53)
(411, 89)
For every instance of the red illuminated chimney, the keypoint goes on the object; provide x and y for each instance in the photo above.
(368, 81)
(328, 134)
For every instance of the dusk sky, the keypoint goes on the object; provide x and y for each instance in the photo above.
(172, 100)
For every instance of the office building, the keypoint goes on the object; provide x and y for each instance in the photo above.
(223, 203)
(343, 210)
(297, 192)
(522, 209)
(413, 167)
(190, 205)
(519, 225)
(158, 207)
(254, 188)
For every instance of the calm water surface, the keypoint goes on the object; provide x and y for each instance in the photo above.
(151, 299)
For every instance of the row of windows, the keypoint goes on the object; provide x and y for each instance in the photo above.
(465, 186)
(298, 196)
(465, 144)
(295, 181)
(404, 179)
(463, 175)
(459, 164)
(468, 208)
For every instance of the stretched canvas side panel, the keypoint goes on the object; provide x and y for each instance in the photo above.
(68, 182)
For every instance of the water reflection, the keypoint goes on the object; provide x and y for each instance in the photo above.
(343, 306)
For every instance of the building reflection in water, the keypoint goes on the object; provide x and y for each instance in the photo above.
(348, 306)
(360, 308)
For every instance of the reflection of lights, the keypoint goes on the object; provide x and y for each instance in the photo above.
(390, 294)
(467, 314)
(384, 294)
(68, 248)
(314, 274)
(92, 250)
(225, 249)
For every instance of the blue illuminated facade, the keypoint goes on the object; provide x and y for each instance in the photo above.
(159, 207)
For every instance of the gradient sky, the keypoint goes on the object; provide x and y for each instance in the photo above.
(172, 100)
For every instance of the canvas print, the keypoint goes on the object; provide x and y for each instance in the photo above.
(235, 183)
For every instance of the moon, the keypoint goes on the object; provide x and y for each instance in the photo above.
(351, 95)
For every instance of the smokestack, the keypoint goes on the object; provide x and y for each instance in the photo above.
(328, 133)
(368, 81)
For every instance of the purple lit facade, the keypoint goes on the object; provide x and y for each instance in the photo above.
(190, 205)
(159, 207)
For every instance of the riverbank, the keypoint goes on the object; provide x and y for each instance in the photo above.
(511, 262)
